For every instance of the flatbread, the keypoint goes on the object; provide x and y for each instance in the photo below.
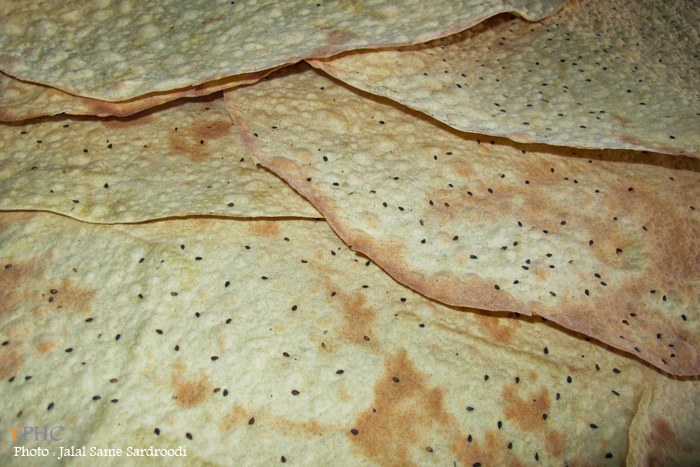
(21, 100)
(185, 159)
(112, 50)
(609, 249)
(282, 345)
(598, 74)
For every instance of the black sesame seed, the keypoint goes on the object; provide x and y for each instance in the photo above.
(354, 431)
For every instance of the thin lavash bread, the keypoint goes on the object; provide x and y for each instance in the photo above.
(609, 249)
(22, 100)
(260, 342)
(598, 74)
(184, 159)
(117, 50)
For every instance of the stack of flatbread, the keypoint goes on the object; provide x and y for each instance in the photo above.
(350, 232)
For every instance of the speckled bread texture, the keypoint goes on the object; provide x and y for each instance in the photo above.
(598, 74)
(255, 342)
(609, 249)
(21, 100)
(116, 50)
(186, 159)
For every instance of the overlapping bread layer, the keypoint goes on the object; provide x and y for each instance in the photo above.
(185, 159)
(114, 50)
(597, 74)
(268, 340)
(609, 249)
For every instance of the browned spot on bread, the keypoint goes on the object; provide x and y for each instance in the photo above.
(486, 449)
(357, 317)
(10, 361)
(237, 416)
(661, 439)
(526, 412)
(265, 228)
(555, 443)
(620, 119)
(14, 279)
(500, 329)
(192, 141)
(334, 41)
(45, 345)
(76, 297)
(213, 129)
(190, 392)
(461, 168)
(403, 410)
(672, 265)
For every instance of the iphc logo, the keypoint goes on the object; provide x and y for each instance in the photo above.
(36, 433)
